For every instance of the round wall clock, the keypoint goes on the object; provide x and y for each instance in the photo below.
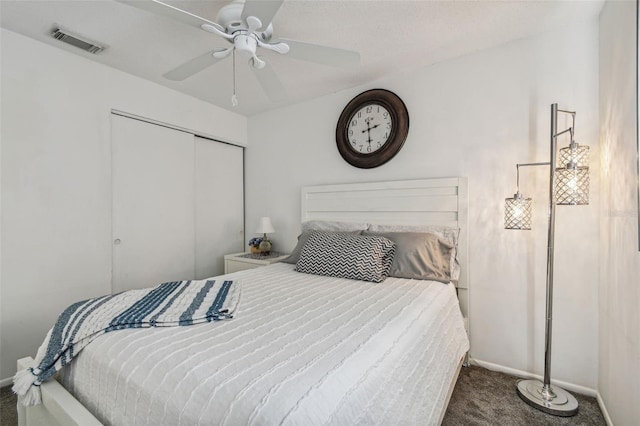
(372, 128)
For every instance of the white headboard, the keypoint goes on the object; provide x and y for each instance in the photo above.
(440, 201)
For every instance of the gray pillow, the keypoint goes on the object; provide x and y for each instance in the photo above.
(356, 257)
(302, 240)
(446, 233)
(421, 256)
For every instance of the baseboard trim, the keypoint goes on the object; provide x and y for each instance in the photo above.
(514, 372)
(603, 408)
(6, 382)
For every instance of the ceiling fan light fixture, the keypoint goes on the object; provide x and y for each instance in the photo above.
(245, 45)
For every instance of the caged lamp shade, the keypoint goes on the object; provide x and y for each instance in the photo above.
(574, 154)
(517, 214)
(572, 177)
(572, 186)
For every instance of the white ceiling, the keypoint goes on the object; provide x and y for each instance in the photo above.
(391, 36)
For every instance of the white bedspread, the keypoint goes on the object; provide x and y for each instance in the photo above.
(302, 350)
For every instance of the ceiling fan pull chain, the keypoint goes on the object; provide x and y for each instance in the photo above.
(234, 98)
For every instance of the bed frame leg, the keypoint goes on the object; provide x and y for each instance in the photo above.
(22, 413)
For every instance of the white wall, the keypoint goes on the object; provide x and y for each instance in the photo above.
(619, 349)
(476, 116)
(56, 188)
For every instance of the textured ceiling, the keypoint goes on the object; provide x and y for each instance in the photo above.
(391, 36)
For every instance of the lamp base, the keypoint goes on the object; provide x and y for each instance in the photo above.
(265, 246)
(554, 400)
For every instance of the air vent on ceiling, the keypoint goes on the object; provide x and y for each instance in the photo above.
(76, 40)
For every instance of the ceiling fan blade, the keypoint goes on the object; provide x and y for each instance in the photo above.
(270, 83)
(326, 55)
(172, 12)
(192, 67)
(264, 10)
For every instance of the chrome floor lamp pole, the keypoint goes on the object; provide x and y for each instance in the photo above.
(570, 190)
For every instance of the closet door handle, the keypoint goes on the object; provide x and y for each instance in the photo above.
(117, 241)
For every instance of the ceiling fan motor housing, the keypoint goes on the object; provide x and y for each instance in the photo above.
(230, 18)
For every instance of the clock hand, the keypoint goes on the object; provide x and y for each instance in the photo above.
(368, 130)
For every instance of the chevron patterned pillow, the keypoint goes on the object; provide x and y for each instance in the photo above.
(365, 258)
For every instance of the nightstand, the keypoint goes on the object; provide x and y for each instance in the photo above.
(241, 261)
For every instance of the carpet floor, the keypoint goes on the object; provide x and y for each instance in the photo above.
(8, 413)
(481, 397)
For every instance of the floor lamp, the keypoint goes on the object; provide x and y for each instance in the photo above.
(568, 185)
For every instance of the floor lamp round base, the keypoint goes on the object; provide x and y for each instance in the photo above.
(564, 404)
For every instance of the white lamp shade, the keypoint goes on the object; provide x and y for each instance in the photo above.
(265, 226)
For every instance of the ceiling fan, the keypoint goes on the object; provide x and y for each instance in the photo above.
(246, 25)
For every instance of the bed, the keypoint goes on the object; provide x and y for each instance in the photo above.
(303, 349)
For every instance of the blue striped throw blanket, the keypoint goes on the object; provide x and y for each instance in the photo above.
(167, 305)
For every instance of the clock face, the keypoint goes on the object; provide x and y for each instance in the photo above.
(369, 129)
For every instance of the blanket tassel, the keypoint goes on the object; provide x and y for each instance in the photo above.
(26, 384)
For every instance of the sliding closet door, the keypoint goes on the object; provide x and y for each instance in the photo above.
(153, 204)
(219, 205)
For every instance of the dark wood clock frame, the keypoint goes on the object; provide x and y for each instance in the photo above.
(399, 131)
